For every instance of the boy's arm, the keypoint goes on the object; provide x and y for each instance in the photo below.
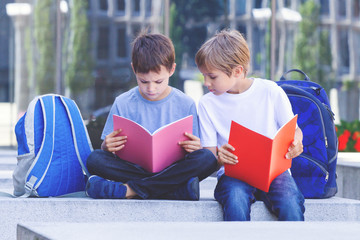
(113, 143)
(296, 147)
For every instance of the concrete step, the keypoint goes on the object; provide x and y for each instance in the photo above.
(190, 231)
(83, 209)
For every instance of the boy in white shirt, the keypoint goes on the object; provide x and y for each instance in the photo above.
(257, 104)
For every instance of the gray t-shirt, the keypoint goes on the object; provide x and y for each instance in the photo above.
(152, 114)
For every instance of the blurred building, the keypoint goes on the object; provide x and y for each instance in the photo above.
(6, 42)
(114, 23)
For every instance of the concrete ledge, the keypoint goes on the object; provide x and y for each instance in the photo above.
(348, 172)
(13, 211)
(189, 231)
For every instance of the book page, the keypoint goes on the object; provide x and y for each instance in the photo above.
(166, 148)
(261, 159)
(153, 152)
(138, 148)
(175, 123)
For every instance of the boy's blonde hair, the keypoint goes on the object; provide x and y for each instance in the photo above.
(224, 51)
(150, 51)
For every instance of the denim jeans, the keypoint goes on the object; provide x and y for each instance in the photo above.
(284, 198)
(200, 163)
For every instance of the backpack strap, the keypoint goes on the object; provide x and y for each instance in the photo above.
(81, 138)
(33, 180)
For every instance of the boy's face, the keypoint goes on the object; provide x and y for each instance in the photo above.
(154, 86)
(218, 82)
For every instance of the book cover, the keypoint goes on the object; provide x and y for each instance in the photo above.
(261, 159)
(153, 151)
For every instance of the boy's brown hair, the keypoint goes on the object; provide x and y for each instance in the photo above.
(150, 51)
(224, 51)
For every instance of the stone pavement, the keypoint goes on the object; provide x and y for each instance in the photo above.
(84, 214)
(192, 231)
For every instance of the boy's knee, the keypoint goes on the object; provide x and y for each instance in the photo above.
(204, 155)
(94, 159)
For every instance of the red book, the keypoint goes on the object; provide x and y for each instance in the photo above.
(261, 159)
(153, 151)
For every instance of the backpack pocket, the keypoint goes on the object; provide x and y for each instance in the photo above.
(23, 165)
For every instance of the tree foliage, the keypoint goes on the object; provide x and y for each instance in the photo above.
(312, 50)
(44, 32)
(78, 63)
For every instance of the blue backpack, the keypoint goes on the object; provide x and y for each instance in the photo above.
(53, 145)
(314, 170)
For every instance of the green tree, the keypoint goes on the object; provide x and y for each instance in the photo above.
(79, 62)
(312, 50)
(44, 33)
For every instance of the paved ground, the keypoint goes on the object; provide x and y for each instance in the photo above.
(188, 230)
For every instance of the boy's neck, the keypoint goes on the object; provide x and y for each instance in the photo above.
(242, 86)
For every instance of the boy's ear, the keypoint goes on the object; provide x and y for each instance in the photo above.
(172, 69)
(238, 71)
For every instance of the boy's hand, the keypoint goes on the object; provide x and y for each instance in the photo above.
(192, 144)
(225, 156)
(113, 143)
(296, 147)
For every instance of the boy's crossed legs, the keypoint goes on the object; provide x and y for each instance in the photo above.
(178, 181)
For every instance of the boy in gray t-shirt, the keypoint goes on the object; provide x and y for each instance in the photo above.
(152, 104)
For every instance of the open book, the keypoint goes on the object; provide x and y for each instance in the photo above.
(261, 159)
(153, 151)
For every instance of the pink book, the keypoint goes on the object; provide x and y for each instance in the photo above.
(153, 151)
(261, 159)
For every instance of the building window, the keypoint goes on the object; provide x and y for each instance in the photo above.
(343, 51)
(120, 6)
(121, 43)
(356, 9)
(357, 51)
(341, 8)
(257, 3)
(324, 7)
(103, 5)
(103, 43)
(240, 7)
(325, 57)
(148, 8)
(242, 29)
(136, 8)
(287, 3)
(256, 49)
(135, 30)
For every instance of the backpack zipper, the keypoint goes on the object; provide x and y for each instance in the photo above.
(322, 168)
(321, 116)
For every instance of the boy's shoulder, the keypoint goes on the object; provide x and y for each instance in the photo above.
(266, 85)
(265, 82)
(178, 94)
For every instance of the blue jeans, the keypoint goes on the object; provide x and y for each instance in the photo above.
(201, 163)
(284, 198)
